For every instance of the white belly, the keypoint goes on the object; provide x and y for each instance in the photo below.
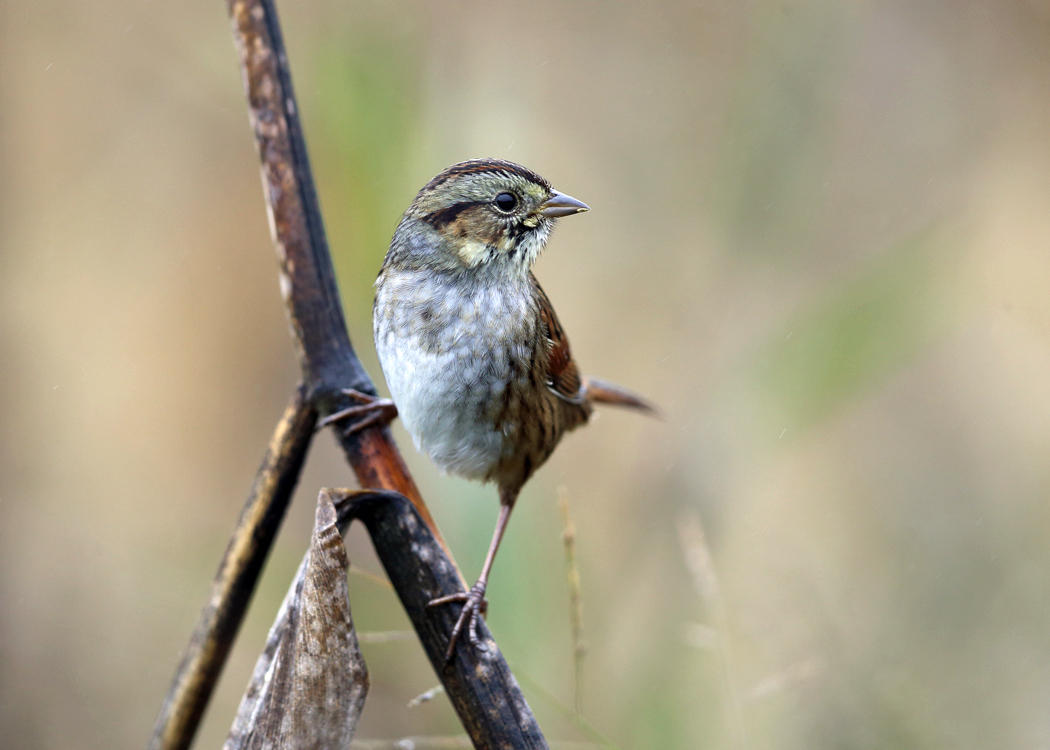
(448, 376)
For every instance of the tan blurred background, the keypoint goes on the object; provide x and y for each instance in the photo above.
(819, 239)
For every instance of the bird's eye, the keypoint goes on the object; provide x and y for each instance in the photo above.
(506, 202)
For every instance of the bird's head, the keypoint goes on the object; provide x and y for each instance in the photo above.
(482, 213)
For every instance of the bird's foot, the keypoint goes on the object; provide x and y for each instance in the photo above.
(474, 605)
(370, 410)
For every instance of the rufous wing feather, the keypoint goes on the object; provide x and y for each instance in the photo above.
(563, 377)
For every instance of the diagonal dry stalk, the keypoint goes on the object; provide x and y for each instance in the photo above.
(482, 690)
(235, 580)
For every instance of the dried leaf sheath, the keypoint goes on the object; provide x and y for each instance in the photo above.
(310, 682)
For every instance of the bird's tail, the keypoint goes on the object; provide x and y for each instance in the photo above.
(602, 392)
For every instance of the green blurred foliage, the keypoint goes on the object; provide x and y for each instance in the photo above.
(850, 339)
(363, 133)
(777, 121)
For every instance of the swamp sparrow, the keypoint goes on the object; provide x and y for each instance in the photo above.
(477, 363)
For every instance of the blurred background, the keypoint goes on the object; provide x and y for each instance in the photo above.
(818, 239)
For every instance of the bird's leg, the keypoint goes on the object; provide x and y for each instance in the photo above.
(474, 602)
(369, 411)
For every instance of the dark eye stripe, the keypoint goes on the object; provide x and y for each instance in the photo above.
(445, 216)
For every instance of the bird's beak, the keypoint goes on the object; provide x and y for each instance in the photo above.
(560, 204)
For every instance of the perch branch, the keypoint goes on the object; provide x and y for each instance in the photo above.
(478, 681)
(311, 297)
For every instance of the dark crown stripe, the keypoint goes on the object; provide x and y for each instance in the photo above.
(477, 166)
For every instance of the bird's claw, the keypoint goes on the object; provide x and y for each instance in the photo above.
(474, 605)
(369, 411)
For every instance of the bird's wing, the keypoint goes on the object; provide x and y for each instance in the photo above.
(563, 377)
